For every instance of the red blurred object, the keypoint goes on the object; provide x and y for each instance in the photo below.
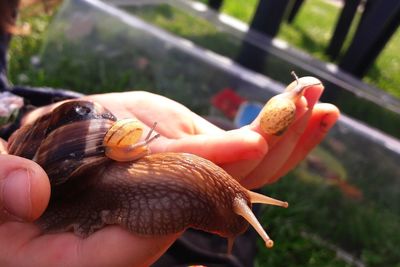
(228, 102)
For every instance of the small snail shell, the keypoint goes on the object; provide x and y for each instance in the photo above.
(122, 140)
(148, 194)
(280, 111)
(277, 114)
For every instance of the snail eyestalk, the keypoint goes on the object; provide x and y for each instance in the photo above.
(298, 90)
(149, 138)
(295, 76)
(241, 208)
(127, 148)
(258, 198)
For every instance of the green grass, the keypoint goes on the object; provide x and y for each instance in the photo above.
(385, 71)
(23, 48)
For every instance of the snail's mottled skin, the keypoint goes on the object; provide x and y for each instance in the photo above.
(156, 195)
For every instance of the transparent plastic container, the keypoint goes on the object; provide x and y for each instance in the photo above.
(344, 197)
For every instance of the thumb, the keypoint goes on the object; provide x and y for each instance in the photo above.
(24, 189)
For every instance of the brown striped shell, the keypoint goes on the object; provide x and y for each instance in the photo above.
(65, 142)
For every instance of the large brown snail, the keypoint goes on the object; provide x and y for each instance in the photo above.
(101, 174)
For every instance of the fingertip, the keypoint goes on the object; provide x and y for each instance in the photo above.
(40, 191)
(313, 94)
(330, 115)
(24, 188)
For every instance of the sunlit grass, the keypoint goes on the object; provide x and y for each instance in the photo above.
(24, 47)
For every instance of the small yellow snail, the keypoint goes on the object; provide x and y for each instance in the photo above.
(280, 110)
(122, 140)
(101, 174)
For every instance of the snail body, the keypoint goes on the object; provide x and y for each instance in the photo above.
(154, 195)
(81, 145)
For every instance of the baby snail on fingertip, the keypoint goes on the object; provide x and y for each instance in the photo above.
(101, 173)
(280, 111)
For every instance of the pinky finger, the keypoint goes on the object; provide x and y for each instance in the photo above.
(323, 118)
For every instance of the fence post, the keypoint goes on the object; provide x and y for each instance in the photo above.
(215, 4)
(266, 20)
(342, 28)
(378, 23)
(294, 9)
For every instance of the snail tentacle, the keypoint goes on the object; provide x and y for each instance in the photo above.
(242, 209)
(258, 198)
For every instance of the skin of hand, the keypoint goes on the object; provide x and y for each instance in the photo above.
(247, 154)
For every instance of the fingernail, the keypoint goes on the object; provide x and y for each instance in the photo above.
(15, 193)
(327, 121)
(312, 95)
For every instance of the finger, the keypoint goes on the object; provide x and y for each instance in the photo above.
(3, 146)
(24, 189)
(312, 94)
(239, 170)
(301, 109)
(323, 119)
(223, 147)
(123, 248)
(277, 155)
(111, 246)
(313, 89)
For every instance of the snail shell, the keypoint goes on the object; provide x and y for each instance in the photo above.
(148, 194)
(277, 115)
(66, 142)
